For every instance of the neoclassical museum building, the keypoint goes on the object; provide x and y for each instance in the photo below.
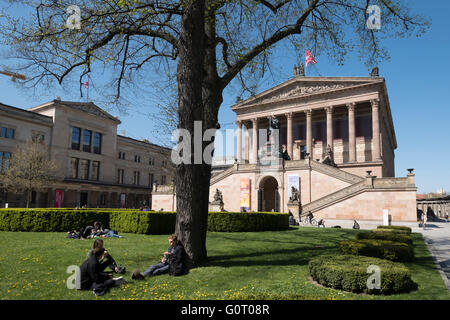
(96, 167)
(340, 140)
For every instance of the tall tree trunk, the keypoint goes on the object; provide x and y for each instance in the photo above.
(191, 178)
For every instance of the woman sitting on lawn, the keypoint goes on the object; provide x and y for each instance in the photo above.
(108, 261)
(173, 262)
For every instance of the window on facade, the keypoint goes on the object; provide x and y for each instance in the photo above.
(103, 199)
(95, 170)
(121, 155)
(87, 137)
(11, 133)
(150, 179)
(7, 133)
(120, 176)
(4, 160)
(151, 161)
(164, 163)
(97, 142)
(136, 177)
(163, 180)
(74, 168)
(137, 158)
(37, 137)
(85, 169)
(76, 134)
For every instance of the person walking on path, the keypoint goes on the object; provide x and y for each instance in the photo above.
(424, 220)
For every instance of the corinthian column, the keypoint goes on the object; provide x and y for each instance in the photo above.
(351, 132)
(308, 132)
(376, 150)
(329, 111)
(255, 140)
(246, 141)
(289, 134)
(239, 142)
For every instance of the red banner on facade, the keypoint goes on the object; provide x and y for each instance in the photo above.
(59, 194)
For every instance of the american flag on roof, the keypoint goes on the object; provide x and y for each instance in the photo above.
(309, 58)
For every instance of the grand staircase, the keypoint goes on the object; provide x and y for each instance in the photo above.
(357, 185)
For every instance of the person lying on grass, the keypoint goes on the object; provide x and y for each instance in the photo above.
(108, 261)
(100, 231)
(91, 276)
(173, 262)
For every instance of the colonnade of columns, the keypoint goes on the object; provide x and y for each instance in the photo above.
(440, 208)
(376, 147)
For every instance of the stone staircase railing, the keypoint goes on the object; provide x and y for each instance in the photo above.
(335, 172)
(368, 183)
(332, 198)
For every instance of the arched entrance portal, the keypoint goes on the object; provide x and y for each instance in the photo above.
(268, 197)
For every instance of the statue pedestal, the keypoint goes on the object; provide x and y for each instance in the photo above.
(295, 207)
(215, 206)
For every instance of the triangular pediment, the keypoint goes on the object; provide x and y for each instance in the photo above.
(302, 87)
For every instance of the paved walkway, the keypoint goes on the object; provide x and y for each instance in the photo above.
(437, 238)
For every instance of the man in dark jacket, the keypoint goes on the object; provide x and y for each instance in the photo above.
(91, 278)
(173, 262)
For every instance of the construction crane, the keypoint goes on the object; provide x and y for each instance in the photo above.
(13, 75)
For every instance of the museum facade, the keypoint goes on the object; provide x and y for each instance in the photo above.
(96, 167)
(339, 142)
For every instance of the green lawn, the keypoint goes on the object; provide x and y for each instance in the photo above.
(264, 265)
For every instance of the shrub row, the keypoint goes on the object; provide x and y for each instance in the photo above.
(247, 222)
(400, 229)
(350, 273)
(133, 221)
(391, 236)
(390, 250)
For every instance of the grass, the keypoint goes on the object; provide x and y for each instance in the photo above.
(263, 265)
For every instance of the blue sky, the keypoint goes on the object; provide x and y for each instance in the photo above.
(417, 79)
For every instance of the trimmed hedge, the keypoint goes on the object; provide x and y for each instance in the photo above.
(38, 220)
(144, 222)
(384, 249)
(133, 221)
(391, 236)
(400, 229)
(247, 221)
(349, 273)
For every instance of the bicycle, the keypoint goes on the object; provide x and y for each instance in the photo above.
(309, 221)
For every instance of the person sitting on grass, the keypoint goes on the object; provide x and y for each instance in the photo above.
(91, 276)
(108, 261)
(173, 262)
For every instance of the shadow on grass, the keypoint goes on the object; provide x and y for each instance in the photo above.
(284, 257)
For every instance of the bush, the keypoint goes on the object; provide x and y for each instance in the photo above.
(384, 249)
(144, 222)
(349, 273)
(400, 229)
(43, 220)
(247, 221)
(133, 221)
(391, 236)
